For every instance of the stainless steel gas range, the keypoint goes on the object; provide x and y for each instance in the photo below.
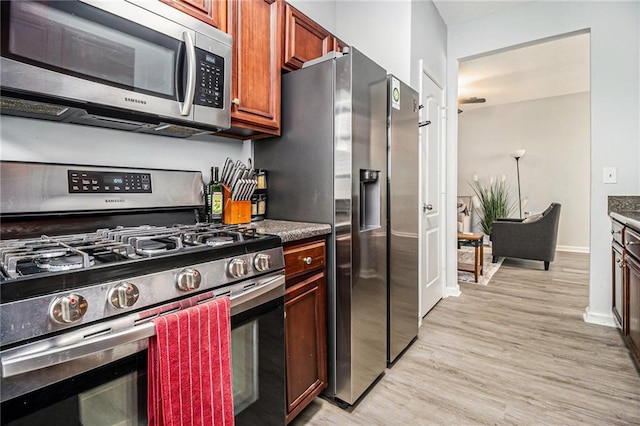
(81, 284)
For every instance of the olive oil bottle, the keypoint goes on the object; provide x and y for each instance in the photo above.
(214, 197)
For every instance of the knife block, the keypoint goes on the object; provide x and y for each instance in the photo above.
(235, 212)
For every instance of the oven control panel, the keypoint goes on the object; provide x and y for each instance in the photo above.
(102, 182)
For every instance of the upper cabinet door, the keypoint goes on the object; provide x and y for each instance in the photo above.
(213, 12)
(338, 44)
(255, 86)
(304, 39)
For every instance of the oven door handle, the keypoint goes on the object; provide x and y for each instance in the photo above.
(15, 362)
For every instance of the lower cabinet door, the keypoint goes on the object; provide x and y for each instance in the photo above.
(618, 309)
(633, 337)
(305, 335)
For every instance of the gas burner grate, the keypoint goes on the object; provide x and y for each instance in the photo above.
(36, 255)
(52, 254)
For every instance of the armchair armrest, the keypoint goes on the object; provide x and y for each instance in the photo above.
(508, 219)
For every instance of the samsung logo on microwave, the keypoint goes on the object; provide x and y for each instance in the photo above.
(114, 200)
(135, 101)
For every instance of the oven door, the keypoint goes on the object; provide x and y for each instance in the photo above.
(116, 393)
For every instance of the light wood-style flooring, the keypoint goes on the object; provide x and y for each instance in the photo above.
(514, 352)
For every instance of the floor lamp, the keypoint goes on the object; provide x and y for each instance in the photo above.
(517, 155)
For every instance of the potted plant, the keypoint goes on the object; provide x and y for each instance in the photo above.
(493, 201)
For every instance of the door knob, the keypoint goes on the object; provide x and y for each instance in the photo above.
(426, 207)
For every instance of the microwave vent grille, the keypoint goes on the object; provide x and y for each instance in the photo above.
(32, 109)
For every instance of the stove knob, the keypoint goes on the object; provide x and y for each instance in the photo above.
(188, 279)
(262, 262)
(68, 309)
(123, 295)
(238, 268)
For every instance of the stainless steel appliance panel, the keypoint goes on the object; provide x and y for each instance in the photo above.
(22, 183)
(403, 217)
(149, 64)
(300, 161)
(360, 141)
(300, 164)
(332, 150)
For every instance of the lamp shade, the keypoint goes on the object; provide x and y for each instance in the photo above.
(519, 153)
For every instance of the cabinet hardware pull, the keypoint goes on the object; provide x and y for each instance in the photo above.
(235, 101)
(633, 243)
(307, 260)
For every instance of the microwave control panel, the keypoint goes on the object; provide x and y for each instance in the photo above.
(94, 182)
(209, 80)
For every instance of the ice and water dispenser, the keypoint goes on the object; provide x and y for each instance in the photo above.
(369, 199)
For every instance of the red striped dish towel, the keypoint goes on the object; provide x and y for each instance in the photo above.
(189, 373)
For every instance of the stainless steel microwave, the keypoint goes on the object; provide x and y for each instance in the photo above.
(136, 65)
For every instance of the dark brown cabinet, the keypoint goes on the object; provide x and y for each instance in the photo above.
(618, 306)
(339, 45)
(625, 249)
(631, 239)
(305, 323)
(633, 335)
(213, 12)
(304, 39)
(255, 85)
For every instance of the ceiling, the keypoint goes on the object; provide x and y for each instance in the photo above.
(552, 68)
(456, 11)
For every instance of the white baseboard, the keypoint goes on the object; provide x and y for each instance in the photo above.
(453, 291)
(573, 249)
(599, 319)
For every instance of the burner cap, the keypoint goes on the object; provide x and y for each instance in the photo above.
(219, 241)
(62, 263)
(152, 246)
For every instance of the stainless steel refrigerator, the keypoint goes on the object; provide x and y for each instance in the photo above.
(403, 215)
(330, 166)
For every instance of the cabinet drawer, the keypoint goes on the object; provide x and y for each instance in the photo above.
(302, 258)
(616, 231)
(632, 242)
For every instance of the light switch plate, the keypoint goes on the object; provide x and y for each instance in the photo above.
(610, 175)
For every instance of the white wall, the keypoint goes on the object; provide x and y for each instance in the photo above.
(428, 42)
(395, 34)
(379, 29)
(556, 134)
(614, 104)
(25, 139)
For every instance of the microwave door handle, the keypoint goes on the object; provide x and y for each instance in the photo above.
(185, 108)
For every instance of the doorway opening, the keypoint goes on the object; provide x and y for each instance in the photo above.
(524, 119)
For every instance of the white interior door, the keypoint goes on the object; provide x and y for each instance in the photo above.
(431, 228)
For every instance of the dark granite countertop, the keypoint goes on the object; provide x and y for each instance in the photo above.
(618, 203)
(630, 218)
(291, 231)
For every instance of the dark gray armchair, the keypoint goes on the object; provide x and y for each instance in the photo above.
(531, 238)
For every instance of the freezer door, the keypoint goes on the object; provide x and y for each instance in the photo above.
(403, 216)
(361, 224)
